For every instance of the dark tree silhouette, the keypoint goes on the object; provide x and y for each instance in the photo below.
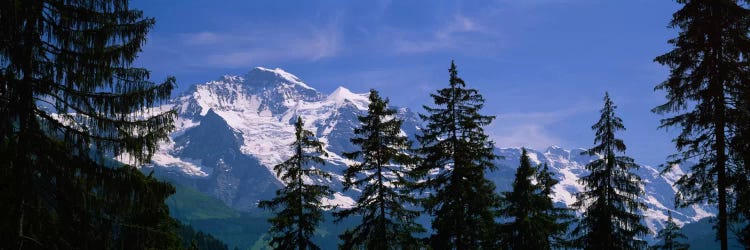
(387, 221)
(708, 65)
(535, 222)
(669, 236)
(612, 218)
(455, 146)
(69, 99)
(301, 209)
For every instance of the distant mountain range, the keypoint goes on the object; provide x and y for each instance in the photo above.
(233, 130)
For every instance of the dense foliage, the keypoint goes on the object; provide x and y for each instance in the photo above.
(461, 200)
(613, 213)
(387, 220)
(69, 100)
(669, 237)
(192, 239)
(535, 223)
(741, 158)
(708, 74)
(300, 203)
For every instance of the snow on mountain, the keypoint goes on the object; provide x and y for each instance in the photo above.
(342, 95)
(259, 108)
(286, 76)
(232, 131)
(569, 165)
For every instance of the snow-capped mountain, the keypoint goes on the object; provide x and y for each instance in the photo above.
(569, 165)
(233, 130)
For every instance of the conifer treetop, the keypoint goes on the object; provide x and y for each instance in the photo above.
(612, 218)
(68, 68)
(301, 208)
(385, 202)
(455, 147)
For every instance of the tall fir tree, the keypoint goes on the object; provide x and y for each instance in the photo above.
(534, 223)
(68, 96)
(563, 216)
(611, 219)
(301, 209)
(669, 236)
(707, 68)
(741, 158)
(387, 220)
(455, 153)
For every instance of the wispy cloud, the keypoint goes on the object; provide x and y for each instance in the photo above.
(203, 38)
(449, 35)
(530, 129)
(331, 34)
(531, 135)
(258, 44)
(460, 24)
(313, 44)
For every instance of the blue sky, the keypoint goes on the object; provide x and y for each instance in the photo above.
(542, 65)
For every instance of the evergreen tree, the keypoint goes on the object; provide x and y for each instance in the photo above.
(611, 219)
(68, 97)
(562, 216)
(740, 154)
(293, 226)
(669, 236)
(134, 205)
(536, 223)
(387, 222)
(455, 153)
(199, 240)
(741, 158)
(707, 69)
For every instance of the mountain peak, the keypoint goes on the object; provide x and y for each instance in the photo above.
(341, 95)
(231, 79)
(211, 117)
(555, 149)
(262, 73)
(341, 91)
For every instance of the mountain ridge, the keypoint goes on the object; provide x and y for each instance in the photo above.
(258, 110)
